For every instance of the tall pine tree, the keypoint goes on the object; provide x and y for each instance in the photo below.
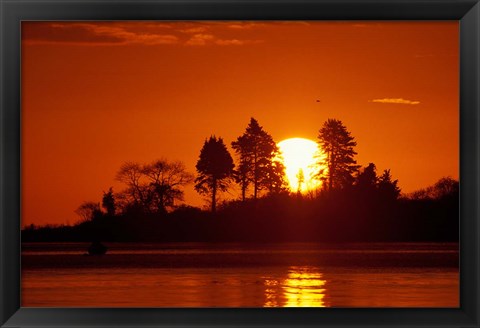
(214, 168)
(259, 163)
(337, 144)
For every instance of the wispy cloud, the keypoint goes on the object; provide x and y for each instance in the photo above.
(235, 42)
(194, 30)
(244, 25)
(199, 40)
(130, 37)
(396, 101)
(97, 34)
(131, 33)
(202, 39)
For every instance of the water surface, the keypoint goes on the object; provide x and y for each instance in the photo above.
(235, 275)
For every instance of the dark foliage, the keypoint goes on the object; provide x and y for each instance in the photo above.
(152, 187)
(259, 163)
(214, 168)
(108, 202)
(357, 205)
(337, 216)
(338, 145)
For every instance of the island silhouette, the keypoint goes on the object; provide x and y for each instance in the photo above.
(353, 203)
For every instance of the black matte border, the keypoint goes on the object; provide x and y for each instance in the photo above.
(14, 11)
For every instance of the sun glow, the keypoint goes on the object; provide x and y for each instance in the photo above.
(300, 158)
(304, 289)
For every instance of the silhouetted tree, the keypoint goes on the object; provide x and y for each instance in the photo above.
(89, 211)
(300, 180)
(153, 187)
(108, 202)
(215, 169)
(445, 187)
(257, 153)
(136, 194)
(337, 144)
(166, 180)
(274, 180)
(366, 180)
(241, 176)
(388, 188)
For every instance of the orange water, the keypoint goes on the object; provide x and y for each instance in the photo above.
(198, 275)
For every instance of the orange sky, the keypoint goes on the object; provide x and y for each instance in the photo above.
(97, 94)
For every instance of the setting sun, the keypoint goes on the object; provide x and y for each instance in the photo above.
(235, 164)
(300, 160)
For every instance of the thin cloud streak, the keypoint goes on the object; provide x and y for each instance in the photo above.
(194, 30)
(236, 42)
(120, 34)
(95, 34)
(130, 37)
(396, 101)
(244, 25)
(209, 39)
(199, 40)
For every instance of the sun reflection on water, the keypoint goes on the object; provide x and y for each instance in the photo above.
(303, 287)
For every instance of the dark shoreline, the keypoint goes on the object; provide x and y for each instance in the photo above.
(417, 255)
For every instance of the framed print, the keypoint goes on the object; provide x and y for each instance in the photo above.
(239, 163)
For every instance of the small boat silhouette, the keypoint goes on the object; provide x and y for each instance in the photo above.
(97, 248)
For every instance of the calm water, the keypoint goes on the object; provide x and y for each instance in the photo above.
(233, 275)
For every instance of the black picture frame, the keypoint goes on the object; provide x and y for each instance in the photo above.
(13, 12)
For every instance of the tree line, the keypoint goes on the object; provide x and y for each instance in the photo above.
(157, 187)
(352, 202)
